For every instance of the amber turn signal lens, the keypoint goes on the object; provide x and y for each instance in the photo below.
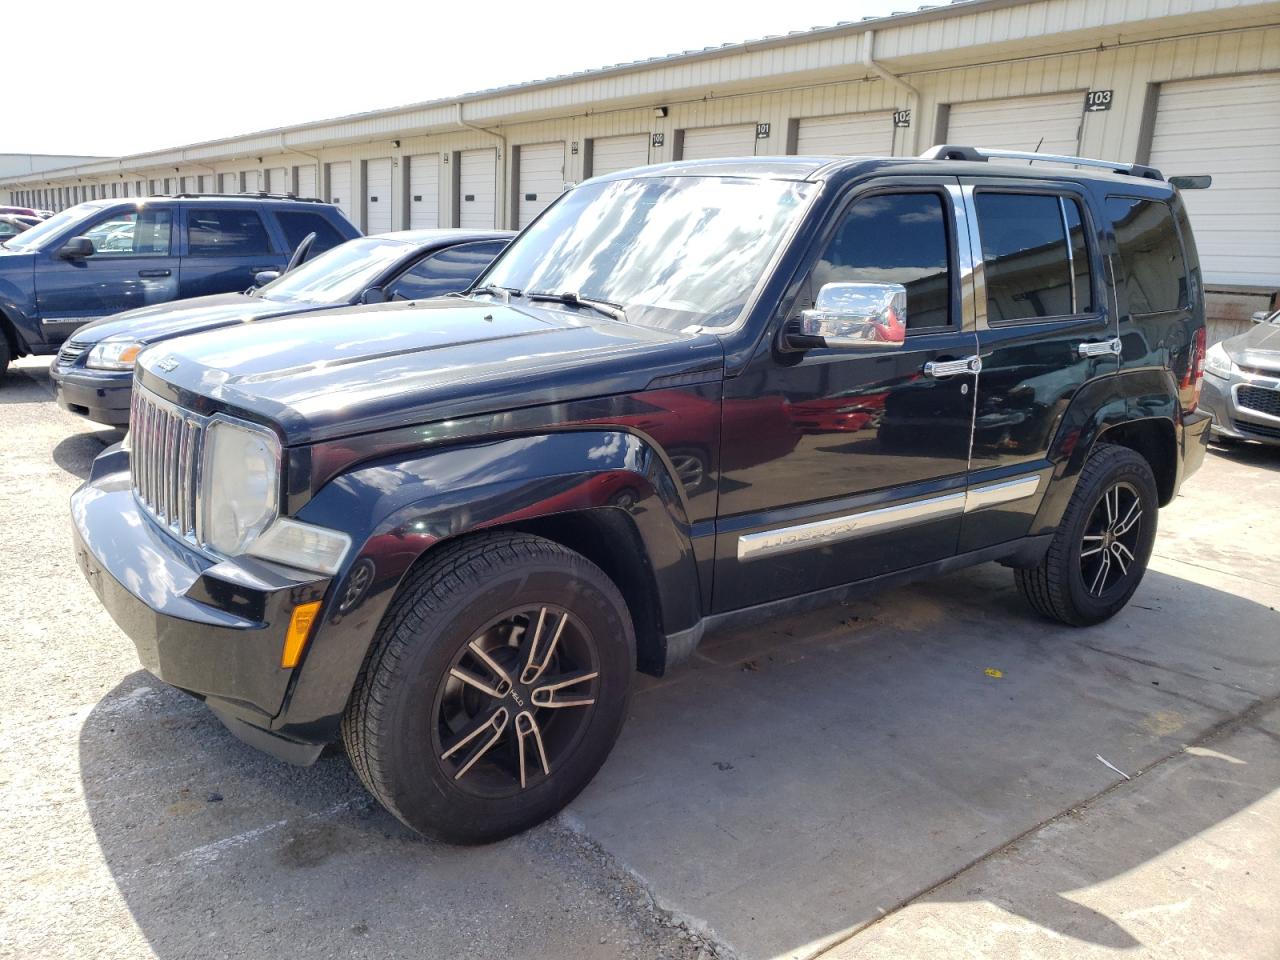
(295, 641)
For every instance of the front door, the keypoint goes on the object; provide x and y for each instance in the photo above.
(839, 465)
(132, 266)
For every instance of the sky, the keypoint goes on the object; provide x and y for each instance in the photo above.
(145, 75)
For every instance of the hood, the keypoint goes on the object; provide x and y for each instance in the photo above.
(164, 320)
(1258, 348)
(353, 371)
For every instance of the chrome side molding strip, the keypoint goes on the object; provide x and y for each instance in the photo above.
(767, 543)
(1006, 491)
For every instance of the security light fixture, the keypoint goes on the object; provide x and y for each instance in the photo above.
(659, 112)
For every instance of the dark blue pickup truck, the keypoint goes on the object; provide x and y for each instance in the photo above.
(106, 256)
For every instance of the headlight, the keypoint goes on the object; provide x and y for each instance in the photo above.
(113, 354)
(1217, 362)
(240, 486)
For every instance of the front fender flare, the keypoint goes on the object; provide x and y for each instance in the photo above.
(396, 510)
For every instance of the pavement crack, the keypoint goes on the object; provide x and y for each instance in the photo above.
(1244, 718)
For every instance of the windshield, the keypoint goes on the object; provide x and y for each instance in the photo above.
(672, 252)
(34, 238)
(337, 275)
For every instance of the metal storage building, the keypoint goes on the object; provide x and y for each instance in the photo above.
(1190, 86)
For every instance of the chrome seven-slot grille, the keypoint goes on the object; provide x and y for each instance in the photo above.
(165, 447)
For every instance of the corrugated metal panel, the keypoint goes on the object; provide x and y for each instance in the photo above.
(1230, 128)
(541, 178)
(340, 186)
(188, 184)
(1046, 124)
(424, 190)
(229, 183)
(478, 189)
(250, 182)
(852, 134)
(307, 181)
(611, 154)
(377, 200)
(708, 143)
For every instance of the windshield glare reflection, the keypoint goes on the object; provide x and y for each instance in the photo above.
(672, 251)
(337, 275)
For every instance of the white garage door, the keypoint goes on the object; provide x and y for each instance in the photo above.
(541, 178)
(1228, 128)
(706, 143)
(277, 180)
(424, 191)
(377, 198)
(307, 182)
(611, 154)
(478, 189)
(229, 183)
(340, 187)
(188, 184)
(250, 182)
(851, 134)
(1044, 124)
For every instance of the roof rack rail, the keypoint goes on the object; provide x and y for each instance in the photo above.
(257, 195)
(982, 154)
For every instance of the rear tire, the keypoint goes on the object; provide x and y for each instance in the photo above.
(1100, 551)
(494, 690)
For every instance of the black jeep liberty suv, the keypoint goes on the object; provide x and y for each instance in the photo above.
(686, 395)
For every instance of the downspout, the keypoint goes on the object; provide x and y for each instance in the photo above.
(502, 138)
(914, 98)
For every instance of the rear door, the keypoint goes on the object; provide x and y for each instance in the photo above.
(1044, 330)
(224, 246)
(133, 265)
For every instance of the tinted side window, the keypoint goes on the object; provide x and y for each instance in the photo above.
(132, 234)
(296, 225)
(448, 271)
(1032, 267)
(226, 233)
(1151, 266)
(894, 238)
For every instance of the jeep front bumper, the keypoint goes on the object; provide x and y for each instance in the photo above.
(213, 629)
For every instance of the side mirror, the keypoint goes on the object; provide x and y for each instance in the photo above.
(263, 277)
(853, 316)
(374, 295)
(1266, 316)
(77, 248)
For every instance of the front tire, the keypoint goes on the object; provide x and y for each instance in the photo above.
(1100, 551)
(494, 690)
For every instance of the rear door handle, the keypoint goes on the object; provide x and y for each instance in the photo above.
(1100, 348)
(949, 368)
(155, 273)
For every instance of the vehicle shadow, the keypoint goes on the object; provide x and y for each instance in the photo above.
(1249, 454)
(793, 783)
(75, 453)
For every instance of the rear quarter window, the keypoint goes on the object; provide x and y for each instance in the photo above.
(1151, 267)
(296, 224)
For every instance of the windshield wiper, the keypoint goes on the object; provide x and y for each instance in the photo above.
(612, 310)
(505, 293)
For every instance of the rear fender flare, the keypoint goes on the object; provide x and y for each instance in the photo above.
(1101, 405)
(397, 510)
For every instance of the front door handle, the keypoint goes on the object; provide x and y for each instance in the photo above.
(1100, 348)
(155, 273)
(949, 368)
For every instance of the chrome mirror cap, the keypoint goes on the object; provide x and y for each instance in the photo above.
(856, 316)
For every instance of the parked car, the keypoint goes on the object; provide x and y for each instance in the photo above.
(106, 256)
(1242, 383)
(12, 224)
(93, 372)
(447, 533)
(24, 211)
